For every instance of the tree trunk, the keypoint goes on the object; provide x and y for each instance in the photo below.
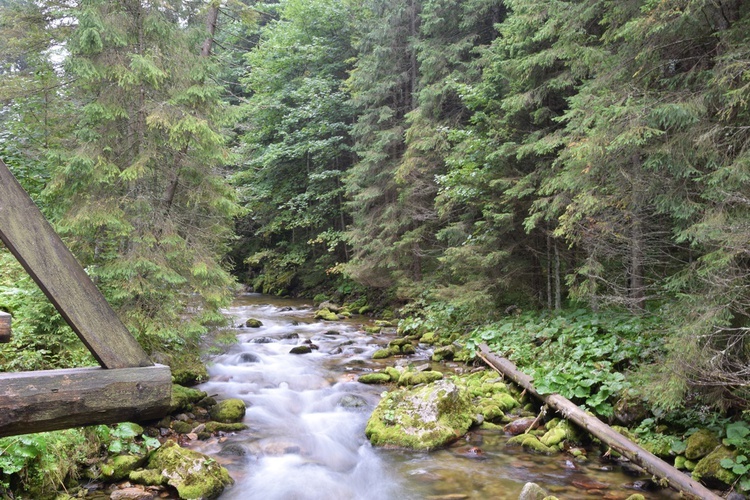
(653, 464)
(637, 289)
(211, 21)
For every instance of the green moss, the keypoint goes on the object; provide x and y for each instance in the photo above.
(382, 354)
(490, 426)
(491, 412)
(229, 410)
(504, 400)
(408, 349)
(187, 368)
(372, 330)
(193, 474)
(364, 309)
(709, 467)
(532, 443)
(560, 432)
(679, 462)
(148, 477)
(326, 315)
(700, 443)
(429, 338)
(119, 467)
(443, 353)
(393, 373)
(213, 427)
(690, 465)
(181, 427)
(184, 397)
(384, 323)
(415, 378)
(375, 378)
(636, 496)
(253, 323)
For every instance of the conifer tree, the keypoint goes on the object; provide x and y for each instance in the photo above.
(141, 195)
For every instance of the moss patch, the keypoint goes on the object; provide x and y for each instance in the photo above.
(415, 378)
(119, 467)
(375, 378)
(183, 398)
(709, 468)
(700, 444)
(148, 477)
(228, 411)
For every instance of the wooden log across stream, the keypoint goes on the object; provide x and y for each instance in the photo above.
(650, 462)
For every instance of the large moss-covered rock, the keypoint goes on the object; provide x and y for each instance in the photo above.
(119, 467)
(194, 475)
(183, 398)
(558, 433)
(710, 471)
(228, 411)
(424, 418)
(384, 353)
(700, 443)
(253, 323)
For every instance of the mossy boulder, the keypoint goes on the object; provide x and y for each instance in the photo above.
(408, 349)
(374, 378)
(228, 411)
(444, 353)
(148, 477)
(194, 475)
(700, 443)
(326, 315)
(119, 467)
(383, 353)
(558, 433)
(399, 342)
(429, 338)
(679, 462)
(393, 373)
(415, 378)
(253, 323)
(710, 471)
(188, 369)
(183, 398)
(372, 330)
(532, 443)
(424, 418)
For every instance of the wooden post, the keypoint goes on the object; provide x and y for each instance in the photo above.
(39, 249)
(5, 323)
(653, 464)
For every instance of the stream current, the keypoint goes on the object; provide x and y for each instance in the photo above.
(307, 414)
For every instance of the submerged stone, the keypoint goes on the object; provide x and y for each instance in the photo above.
(194, 475)
(532, 491)
(422, 419)
(228, 411)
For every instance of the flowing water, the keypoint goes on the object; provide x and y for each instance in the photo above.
(307, 413)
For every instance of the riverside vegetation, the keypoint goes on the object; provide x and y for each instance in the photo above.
(564, 180)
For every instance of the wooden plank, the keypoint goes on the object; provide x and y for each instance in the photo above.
(60, 399)
(653, 464)
(5, 326)
(53, 267)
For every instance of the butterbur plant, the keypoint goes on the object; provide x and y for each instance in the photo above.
(737, 437)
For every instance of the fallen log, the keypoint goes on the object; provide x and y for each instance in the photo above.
(650, 462)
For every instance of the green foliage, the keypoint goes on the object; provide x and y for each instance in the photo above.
(738, 437)
(126, 437)
(580, 355)
(44, 462)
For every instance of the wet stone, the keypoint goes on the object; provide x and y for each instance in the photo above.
(263, 340)
(248, 357)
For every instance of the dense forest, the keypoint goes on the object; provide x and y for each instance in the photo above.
(467, 165)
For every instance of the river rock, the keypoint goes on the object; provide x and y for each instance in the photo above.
(709, 470)
(263, 340)
(352, 402)
(424, 418)
(415, 378)
(194, 475)
(519, 426)
(326, 315)
(374, 378)
(248, 357)
(253, 323)
(228, 411)
(301, 349)
(532, 491)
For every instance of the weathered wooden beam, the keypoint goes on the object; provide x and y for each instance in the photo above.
(39, 249)
(5, 326)
(653, 464)
(60, 399)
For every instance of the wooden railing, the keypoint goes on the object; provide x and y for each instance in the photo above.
(126, 386)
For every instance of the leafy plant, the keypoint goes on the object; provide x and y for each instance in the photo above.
(738, 437)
